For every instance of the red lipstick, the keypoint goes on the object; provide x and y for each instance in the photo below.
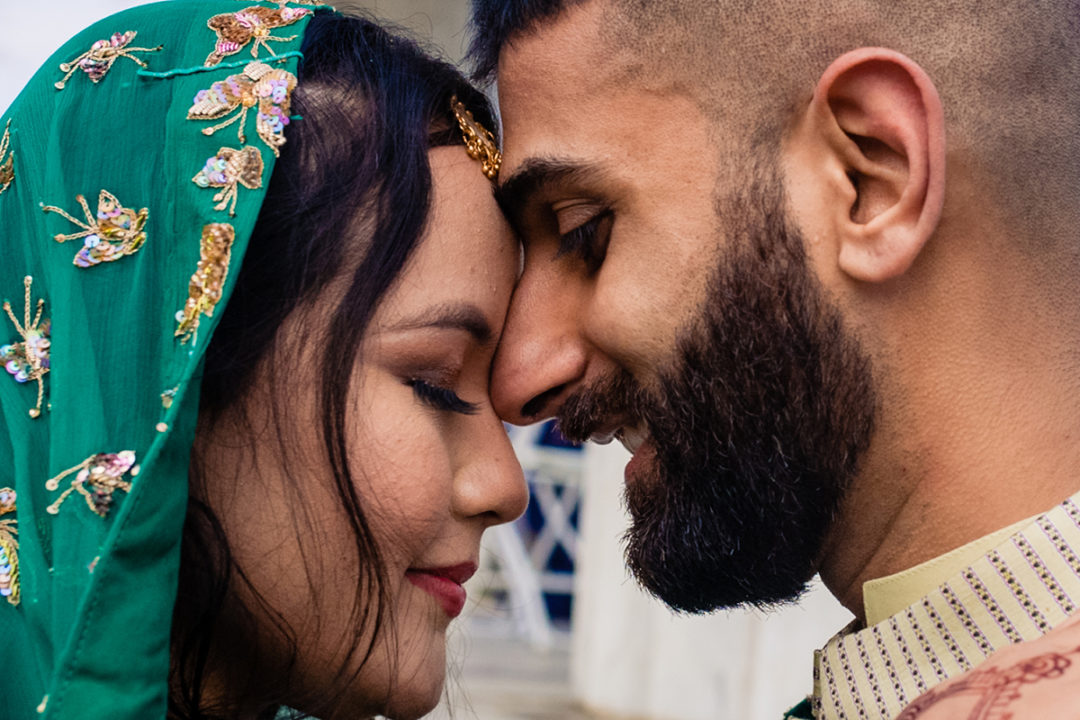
(444, 584)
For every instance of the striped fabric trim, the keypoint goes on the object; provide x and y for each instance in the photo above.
(1019, 591)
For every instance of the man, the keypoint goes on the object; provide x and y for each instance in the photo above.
(744, 258)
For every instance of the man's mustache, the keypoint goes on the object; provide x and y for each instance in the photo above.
(614, 398)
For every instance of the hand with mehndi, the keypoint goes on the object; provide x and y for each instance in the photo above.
(1034, 680)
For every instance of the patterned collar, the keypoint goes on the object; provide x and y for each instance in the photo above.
(1020, 590)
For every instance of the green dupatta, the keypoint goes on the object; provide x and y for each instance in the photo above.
(112, 302)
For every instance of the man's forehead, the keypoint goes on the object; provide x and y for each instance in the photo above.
(557, 96)
(567, 51)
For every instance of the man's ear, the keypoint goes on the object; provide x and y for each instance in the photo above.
(878, 124)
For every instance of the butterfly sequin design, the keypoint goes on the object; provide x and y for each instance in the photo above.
(99, 59)
(253, 24)
(229, 169)
(99, 476)
(9, 549)
(116, 231)
(29, 360)
(269, 88)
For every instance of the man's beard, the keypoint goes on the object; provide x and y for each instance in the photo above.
(758, 425)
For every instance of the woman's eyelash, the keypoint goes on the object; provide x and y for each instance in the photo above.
(584, 242)
(441, 398)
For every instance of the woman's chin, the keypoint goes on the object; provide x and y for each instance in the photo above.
(415, 693)
(417, 696)
(413, 708)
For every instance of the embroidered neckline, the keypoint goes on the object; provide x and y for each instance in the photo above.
(1020, 590)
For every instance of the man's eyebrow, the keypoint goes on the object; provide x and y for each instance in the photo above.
(456, 316)
(533, 175)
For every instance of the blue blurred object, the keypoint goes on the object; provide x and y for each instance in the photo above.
(553, 468)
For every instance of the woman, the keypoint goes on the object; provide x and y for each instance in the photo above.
(285, 299)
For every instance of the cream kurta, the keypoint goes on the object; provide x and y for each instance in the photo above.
(944, 617)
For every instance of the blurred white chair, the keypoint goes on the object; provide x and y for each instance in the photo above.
(518, 568)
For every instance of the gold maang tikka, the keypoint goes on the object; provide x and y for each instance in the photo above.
(479, 142)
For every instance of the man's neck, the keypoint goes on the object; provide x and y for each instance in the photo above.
(990, 446)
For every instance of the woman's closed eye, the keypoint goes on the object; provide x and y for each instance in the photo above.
(589, 241)
(441, 398)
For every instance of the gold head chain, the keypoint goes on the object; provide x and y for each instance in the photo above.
(479, 142)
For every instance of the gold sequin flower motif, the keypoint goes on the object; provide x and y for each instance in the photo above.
(9, 549)
(28, 360)
(269, 88)
(99, 59)
(99, 476)
(7, 159)
(115, 232)
(236, 30)
(205, 287)
(228, 169)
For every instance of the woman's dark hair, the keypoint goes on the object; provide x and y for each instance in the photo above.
(370, 105)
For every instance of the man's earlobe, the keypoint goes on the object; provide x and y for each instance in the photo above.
(881, 121)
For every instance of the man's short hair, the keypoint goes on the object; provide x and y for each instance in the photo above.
(494, 22)
(1008, 72)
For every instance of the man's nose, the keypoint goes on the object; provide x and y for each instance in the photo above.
(541, 357)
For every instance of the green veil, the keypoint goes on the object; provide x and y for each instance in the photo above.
(132, 169)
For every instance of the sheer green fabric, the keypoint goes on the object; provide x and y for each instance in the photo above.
(90, 635)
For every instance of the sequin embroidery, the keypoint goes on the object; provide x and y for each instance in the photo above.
(28, 360)
(260, 84)
(99, 476)
(7, 159)
(99, 59)
(115, 232)
(226, 170)
(9, 547)
(204, 289)
(312, 3)
(236, 30)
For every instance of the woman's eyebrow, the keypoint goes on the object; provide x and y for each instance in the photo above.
(454, 316)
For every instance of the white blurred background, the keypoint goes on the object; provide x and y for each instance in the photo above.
(557, 629)
(33, 29)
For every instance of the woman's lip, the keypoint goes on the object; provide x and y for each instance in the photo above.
(444, 584)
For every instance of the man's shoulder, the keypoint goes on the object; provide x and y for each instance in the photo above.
(1034, 680)
(802, 711)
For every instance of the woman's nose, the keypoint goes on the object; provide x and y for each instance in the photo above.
(490, 484)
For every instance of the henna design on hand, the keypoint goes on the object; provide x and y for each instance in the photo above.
(996, 687)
